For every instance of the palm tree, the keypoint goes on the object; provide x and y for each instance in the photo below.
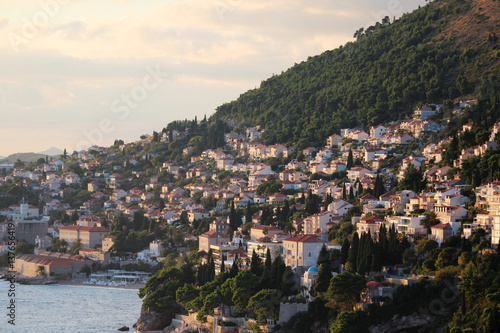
(41, 270)
(76, 246)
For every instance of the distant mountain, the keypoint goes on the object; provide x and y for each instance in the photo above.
(25, 157)
(445, 50)
(53, 151)
(2, 157)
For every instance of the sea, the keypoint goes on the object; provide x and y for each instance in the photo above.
(68, 308)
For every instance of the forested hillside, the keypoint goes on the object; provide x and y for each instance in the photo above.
(444, 50)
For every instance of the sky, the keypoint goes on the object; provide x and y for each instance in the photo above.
(76, 73)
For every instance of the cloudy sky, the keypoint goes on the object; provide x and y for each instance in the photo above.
(80, 72)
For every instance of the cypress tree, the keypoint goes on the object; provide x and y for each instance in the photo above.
(360, 189)
(288, 282)
(344, 252)
(222, 265)
(344, 193)
(351, 194)
(376, 264)
(324, 256)
(350, 160)
(277, 270)
(376, 188)
(353, 254)
(322, 281)
(248, 213)
(234, 268)
(361, 250)
(266, 274)
(255, 264)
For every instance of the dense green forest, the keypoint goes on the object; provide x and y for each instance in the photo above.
(425, 56)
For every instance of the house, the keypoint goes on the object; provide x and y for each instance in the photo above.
(89, 221)
(93, 186)
(408, 225)
(72, 178)
(107, 243)
(451, 215)
(264, 231)
(370, 224)
(317, 222)
(197, 214)
(210, 238)
(53, 264)
(377, 131)
(333, 140)
(358, 135)
(276, 198)
(440, 232)
(400, 199)
(89, 236)
(302, 250)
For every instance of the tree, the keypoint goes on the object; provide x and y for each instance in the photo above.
(265, 303)
(344, 251)
(256, 264)
(352, 257)
(350, 161)
(322, 281)
(323, 257)
(266, 274)
(413, 179)
(243, 287)
(76, 246)
(234, 268)
(41, 270)
(344, 291)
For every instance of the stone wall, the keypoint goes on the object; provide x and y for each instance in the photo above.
(288, 310)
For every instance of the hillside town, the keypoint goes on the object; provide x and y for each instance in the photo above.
(88, 212)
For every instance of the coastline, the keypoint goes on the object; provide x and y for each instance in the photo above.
(131, 286)
(21, 279)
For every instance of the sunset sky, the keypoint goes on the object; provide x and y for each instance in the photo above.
(76, 73)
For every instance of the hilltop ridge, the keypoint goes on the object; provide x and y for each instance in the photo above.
(442, 51)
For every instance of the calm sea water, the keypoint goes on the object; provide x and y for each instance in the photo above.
(72, 309)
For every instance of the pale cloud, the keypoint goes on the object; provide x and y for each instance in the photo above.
(65, 77)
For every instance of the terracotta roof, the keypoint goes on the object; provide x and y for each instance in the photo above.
(81, 228)
(374, 285)
(443, 226)
(304, 239)
(213, 234)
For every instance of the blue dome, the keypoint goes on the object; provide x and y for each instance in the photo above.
(313, 269)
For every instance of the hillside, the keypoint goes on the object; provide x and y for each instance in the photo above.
(444, 50)
(25, 157)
